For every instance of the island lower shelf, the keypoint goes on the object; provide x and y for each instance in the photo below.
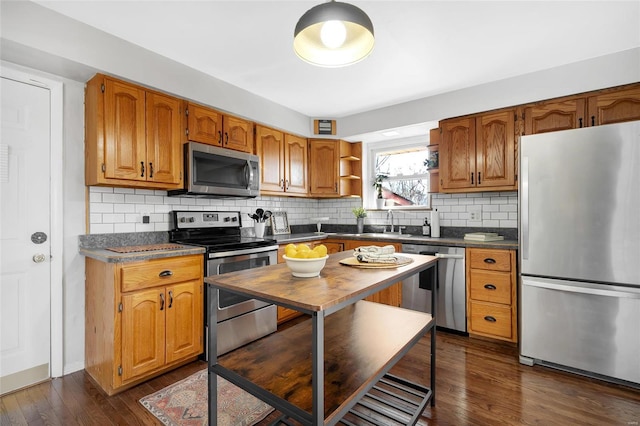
(362, 342)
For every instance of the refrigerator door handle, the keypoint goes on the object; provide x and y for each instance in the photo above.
(619, 292)
(525, 207)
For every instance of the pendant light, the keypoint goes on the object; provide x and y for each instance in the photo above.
(333, 34)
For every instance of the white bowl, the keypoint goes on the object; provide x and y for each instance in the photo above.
(305, 268)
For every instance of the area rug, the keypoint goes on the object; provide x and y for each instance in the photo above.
(185, 403)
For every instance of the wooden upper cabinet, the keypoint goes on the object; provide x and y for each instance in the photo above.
(133, 136)
(478, 153)
(614, 107)
(495, 149)
(124, 125)
(164, 128)
(206, 125)
(238, 134)
(324, 160)
(458, 153)
(554, 116)
(295, 160)
(270, 149)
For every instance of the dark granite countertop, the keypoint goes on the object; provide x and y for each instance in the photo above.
(94, 246)
(395, 238)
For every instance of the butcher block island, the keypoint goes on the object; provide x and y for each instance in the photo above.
(323, 370)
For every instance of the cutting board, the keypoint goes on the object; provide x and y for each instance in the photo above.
(352, 261)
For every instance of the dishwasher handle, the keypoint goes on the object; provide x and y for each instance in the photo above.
(449, 256)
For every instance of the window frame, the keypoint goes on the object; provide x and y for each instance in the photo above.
(368, 191)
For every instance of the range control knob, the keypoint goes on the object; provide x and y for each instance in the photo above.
(182, 220)
(192, 219)
(234, 219)
(227, 219)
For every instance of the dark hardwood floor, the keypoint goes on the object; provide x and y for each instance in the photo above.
(478, 383)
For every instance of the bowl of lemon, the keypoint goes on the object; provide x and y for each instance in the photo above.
(303, 261)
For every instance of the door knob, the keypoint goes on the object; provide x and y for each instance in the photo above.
(39, 258)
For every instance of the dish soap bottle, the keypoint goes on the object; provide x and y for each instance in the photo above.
(426, 229)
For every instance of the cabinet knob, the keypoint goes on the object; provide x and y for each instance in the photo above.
(170, 298)
(165, 274)
(151, 170)
(471, 178)
(489, 318)
(162, 302)
(490, 286)
(142, 169)
(490, 260)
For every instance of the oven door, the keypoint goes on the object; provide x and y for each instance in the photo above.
(230, 304)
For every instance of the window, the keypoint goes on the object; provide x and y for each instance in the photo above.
(405, 182)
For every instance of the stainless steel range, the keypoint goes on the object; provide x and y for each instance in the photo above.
(240, 320)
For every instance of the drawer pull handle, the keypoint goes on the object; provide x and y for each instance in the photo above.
(490, 318)
(165, 274)
(162, 301)
(170, 298)
(489, 260)
(490, 286)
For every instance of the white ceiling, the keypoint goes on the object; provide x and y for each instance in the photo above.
(423, 48)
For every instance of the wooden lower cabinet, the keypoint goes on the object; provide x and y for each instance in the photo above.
(491, 293)
(142, 318)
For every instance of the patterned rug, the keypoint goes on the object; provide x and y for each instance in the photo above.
(185, 403)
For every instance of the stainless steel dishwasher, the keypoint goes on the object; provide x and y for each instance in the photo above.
(451, 308)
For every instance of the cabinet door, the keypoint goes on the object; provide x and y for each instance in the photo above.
(205, 125)
(295, 160)
(495, 149)
(270, 149)
(614, 107)
(324, 159)
(554, 116)
(238, 134)
(184, 320)
(143, 332)
(458, 153)
(124, 127)
(164, 138)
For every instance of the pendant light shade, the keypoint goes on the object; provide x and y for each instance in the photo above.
(333, 34)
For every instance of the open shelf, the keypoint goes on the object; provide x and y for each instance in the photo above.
(354, 362)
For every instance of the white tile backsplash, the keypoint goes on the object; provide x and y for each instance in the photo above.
(121, 209)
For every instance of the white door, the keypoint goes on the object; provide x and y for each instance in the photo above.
(25, 265)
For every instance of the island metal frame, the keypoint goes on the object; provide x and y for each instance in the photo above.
(323, 316)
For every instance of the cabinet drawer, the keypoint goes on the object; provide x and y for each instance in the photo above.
(487, 318)
(151, 273)
(490, 259)
(490, 286)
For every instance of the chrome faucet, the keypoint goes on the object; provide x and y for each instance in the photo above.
(389, 222)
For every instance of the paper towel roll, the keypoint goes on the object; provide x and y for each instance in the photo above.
(435, 223)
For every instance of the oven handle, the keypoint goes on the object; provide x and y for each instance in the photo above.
(241, 252)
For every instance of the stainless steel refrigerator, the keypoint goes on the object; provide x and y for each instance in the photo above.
(580, 251)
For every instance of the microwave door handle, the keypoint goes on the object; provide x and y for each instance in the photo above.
(249, 174)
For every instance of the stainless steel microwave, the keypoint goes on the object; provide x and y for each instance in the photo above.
(213, 172)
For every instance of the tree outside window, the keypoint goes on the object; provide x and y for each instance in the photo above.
(407, 181)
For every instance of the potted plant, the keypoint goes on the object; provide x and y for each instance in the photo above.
(360, 214)
(377, 183)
